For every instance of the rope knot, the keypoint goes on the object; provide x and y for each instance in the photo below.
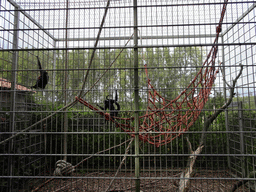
(63, 168)
(218, 29)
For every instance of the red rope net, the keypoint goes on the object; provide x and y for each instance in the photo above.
(160, 126)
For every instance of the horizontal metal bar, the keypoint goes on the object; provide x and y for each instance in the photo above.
(141, 90)
(128, 68)
(126, 133)
(77, 111)
(122, 7)
(131, 155)
(125, 178)
(131, 47)
(130, 26)
(142, 37)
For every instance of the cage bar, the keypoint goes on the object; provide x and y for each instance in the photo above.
(170, 67)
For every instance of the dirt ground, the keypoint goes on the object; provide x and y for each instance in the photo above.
(203, 181)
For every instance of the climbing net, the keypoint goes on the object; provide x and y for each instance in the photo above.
(159, 126)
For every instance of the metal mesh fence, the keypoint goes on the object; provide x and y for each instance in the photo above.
(96, 50)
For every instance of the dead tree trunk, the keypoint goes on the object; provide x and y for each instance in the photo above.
(184, 178)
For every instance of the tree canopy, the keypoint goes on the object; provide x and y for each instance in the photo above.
(170, 70)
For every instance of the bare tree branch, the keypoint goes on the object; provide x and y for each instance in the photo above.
(184, 179)
(211, 118)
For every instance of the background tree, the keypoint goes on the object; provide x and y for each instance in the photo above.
(170, 70)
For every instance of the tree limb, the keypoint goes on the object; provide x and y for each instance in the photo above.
(211, 118)
(184, 178)
(184, 181)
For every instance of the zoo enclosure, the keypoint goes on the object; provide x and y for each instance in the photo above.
(172, 38)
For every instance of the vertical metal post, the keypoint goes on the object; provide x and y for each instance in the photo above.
(242, 144)
(136, 95)
(65, 150)
(13, 93)
(54, 73)
(225, 96)
(255, 100)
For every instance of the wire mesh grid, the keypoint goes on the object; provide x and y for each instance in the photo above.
(102, 52)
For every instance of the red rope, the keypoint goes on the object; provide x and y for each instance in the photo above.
(160, 126)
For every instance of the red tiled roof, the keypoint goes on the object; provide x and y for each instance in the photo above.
(7, 84)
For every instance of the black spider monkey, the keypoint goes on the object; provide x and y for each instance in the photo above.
(43, 79)
(109, 104)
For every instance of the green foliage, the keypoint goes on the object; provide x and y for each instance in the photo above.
(6, 64)
(169, 70)
(163, 71)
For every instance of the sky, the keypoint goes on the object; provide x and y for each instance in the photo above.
(183, 22)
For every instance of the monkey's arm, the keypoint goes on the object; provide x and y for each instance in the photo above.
(102, 108)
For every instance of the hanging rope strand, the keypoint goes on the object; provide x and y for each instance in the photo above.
(95, 45)
(108, 67)
(168, 126)
(183, 122)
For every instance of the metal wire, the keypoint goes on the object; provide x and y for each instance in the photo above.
(175, 39)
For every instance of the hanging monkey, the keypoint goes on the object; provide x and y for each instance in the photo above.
(109, 104)
(43, 79)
